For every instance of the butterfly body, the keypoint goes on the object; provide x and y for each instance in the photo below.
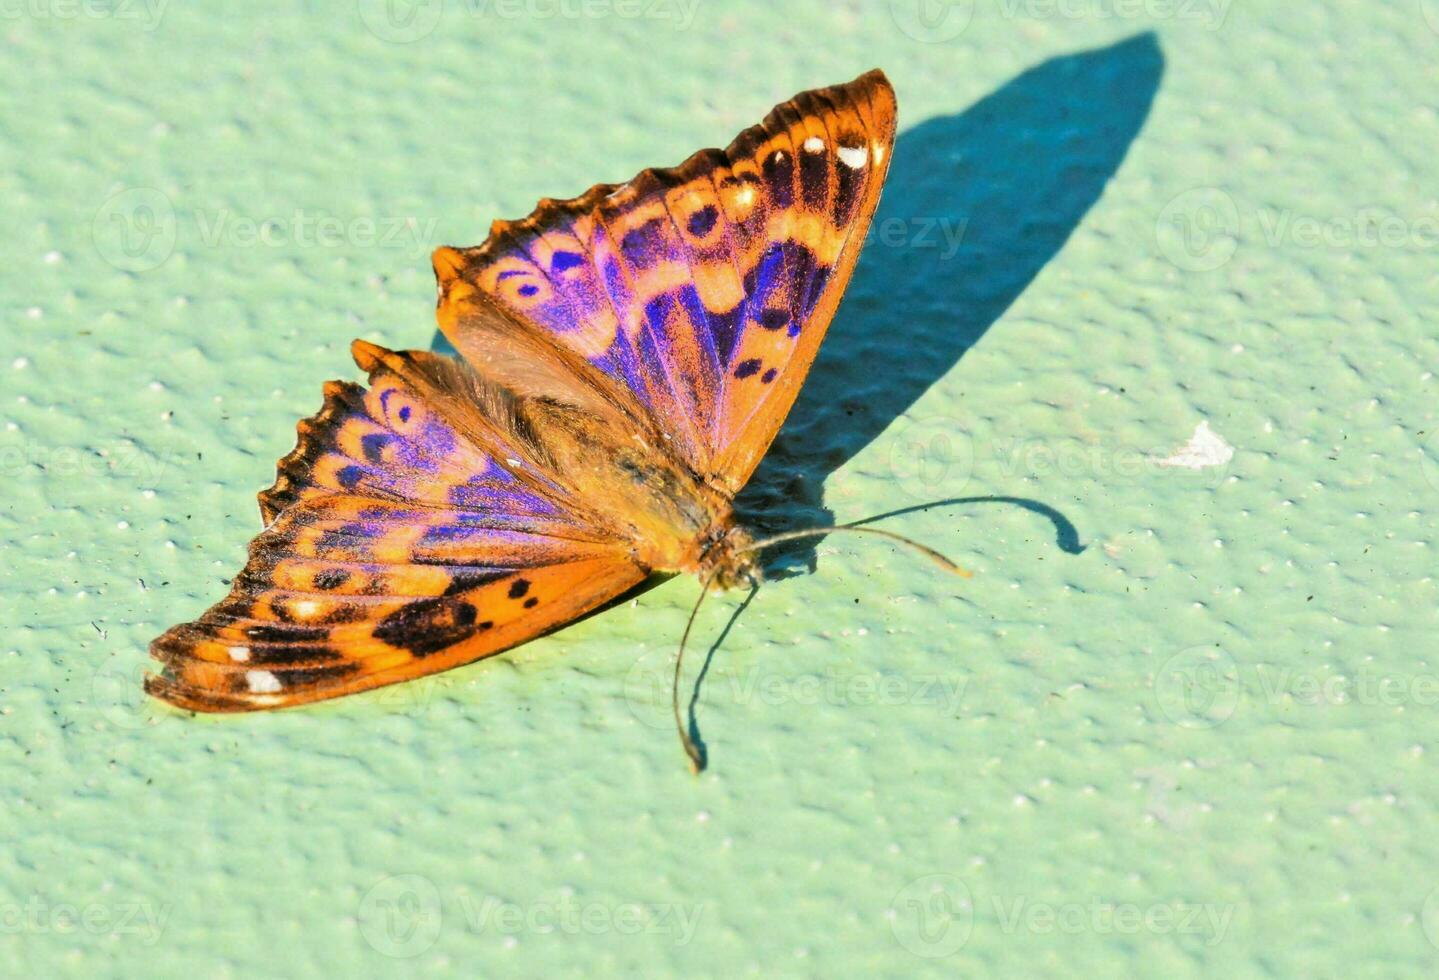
(626, 358)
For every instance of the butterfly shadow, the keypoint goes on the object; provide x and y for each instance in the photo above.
(975, 205)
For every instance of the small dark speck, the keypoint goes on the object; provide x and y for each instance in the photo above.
(1310, 599)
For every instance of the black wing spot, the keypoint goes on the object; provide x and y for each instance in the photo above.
(428, 626)
(702, 222)
(284, 633)
(519, 587)
(773, 319)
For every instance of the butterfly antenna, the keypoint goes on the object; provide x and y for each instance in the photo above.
(696, 757)
(816, 532)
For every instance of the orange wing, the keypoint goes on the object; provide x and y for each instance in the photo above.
(396, 546)
(705, 289)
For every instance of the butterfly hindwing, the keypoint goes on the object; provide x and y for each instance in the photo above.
(707, 288)
(395, 547)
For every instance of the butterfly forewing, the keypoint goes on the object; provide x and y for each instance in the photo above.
(705, 288)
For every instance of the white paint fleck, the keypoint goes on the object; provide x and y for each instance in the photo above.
(240, 654)
(1204, 449)
(262, 682)
(52, 257)
(20, 363)
(814, 145)
(853, 156)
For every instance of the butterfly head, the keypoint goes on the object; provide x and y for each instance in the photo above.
(728, 559)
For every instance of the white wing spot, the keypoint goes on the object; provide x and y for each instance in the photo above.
(305, 608)
(239, 654)
(878, 153)
(814, 145)
(262, 682)
(853, 156)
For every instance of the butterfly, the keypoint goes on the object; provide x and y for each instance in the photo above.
(626, 358)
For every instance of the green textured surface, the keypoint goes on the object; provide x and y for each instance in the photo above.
(1197, 745)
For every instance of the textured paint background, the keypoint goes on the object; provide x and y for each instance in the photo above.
(1178, 724)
